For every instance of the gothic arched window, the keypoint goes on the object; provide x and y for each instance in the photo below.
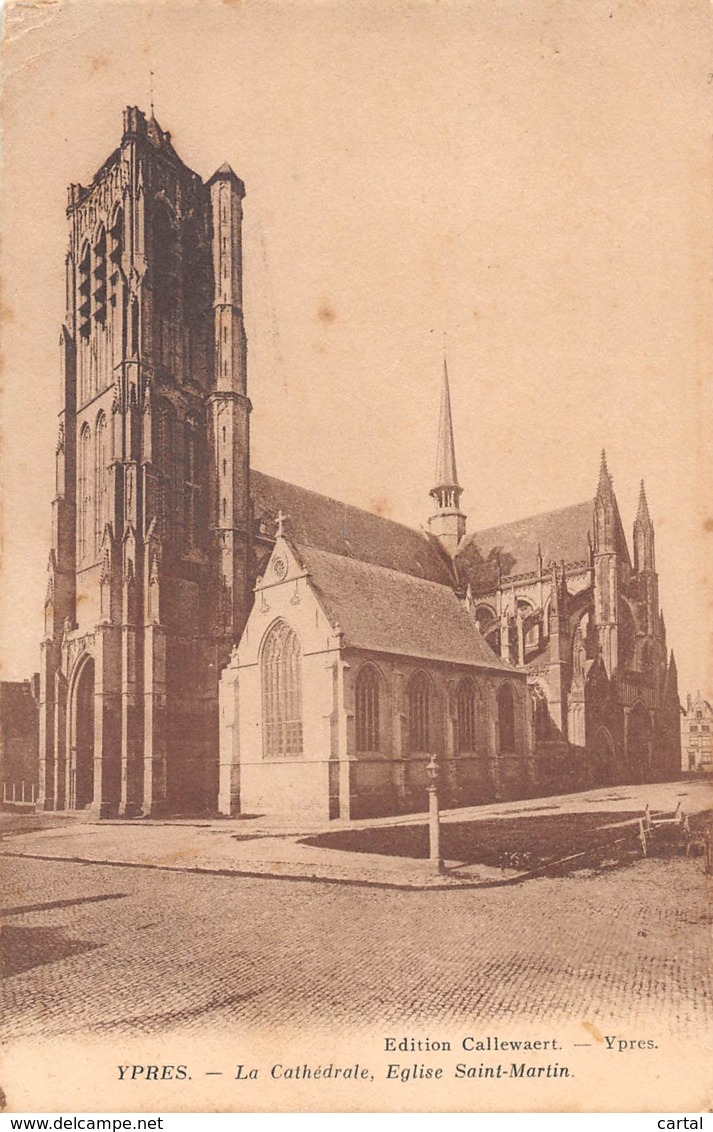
(117, 292)
(465, 715)
(530, 633)
(540, 713)
(506, 720)
(282, 693)
(190, 482)
(84, 304)
(367, 709)
(101, 479)
(116, 247)
(197, 274)
(85, 510)
(484, 615)
(627, 635)
(166, 257)
(164, 479)
(69, 285)
(419, 712)
(99, 277)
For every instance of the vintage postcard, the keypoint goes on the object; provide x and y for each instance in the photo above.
(356, 695)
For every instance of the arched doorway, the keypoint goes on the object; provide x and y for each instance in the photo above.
(603, 759)
(638, 744)
(82, 760)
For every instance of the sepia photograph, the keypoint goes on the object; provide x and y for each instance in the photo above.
(356, 607)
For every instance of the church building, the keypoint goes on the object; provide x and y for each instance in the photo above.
(345, 649)
(560, 596)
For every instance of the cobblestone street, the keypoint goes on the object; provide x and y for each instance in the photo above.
(103, 949)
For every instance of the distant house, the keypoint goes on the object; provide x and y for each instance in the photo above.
(697, 734)
(19, 740)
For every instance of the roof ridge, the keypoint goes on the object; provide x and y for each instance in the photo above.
(311, 548)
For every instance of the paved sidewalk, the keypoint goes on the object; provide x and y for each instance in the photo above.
(269, 848)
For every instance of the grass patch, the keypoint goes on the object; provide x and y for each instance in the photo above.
(520, 842)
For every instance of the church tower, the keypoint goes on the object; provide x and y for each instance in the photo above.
(448, 521)
(151, 523)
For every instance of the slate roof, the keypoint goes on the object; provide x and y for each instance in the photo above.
(561, 534)
(391, 612)
(318, 521)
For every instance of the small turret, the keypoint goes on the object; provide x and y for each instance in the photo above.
(448, 521)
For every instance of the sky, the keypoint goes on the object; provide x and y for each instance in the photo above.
(528, 183)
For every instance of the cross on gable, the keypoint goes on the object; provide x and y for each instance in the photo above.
(280, 519)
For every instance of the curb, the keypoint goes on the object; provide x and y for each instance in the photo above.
(353, 882)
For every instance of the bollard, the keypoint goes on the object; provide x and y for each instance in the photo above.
(642, 836)
(434, 817)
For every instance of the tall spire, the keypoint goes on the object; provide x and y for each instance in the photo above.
(448, 521)
(446, 474)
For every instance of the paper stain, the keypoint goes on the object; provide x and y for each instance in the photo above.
(7, 314)
(97, 64)
(381, 506)
(592, 1029)
(326, 312)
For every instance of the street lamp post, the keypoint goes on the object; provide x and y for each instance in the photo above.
(434, 822)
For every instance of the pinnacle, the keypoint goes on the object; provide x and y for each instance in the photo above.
(605, 481)
(224, 171)
(642, 514)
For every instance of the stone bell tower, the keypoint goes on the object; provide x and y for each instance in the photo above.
(142, 604)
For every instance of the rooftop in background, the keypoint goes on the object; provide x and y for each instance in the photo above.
(559, 535)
